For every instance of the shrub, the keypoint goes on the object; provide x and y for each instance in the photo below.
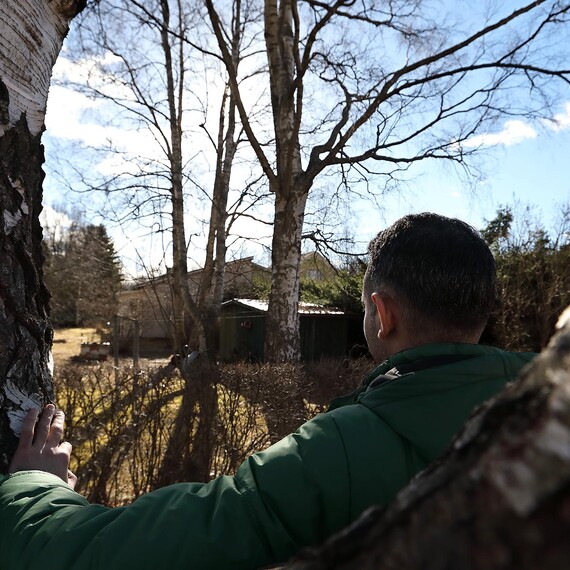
(120, 423)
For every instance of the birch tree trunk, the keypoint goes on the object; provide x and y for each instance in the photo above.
(369, 116)
(212, 281)
(32, 36)
(282, 339)
(498, 499)
(187, 456)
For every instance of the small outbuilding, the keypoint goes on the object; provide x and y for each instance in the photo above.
(325, 332)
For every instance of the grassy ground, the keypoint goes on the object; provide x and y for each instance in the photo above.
(67, 343)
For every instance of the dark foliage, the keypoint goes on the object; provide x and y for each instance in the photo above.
(533, 269)
(83, 275)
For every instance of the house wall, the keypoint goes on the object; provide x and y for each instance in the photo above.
(322, 336)
(330, 336)
(242, 328)
(242, 334)
(151, 303)
(152, 307)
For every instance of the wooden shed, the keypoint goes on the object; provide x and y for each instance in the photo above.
(325, 332)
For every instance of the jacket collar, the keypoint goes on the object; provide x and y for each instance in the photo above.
(412, 359)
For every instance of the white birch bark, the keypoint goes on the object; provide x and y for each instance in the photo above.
(32, 35)
(30, 41)
(282, 343)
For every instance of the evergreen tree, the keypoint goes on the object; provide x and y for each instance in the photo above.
(83, 275)
(533, 270)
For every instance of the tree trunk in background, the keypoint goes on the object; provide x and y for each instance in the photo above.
(498, 499)
(211, 294)
(282, 338)
(32, 35)
(341, 104)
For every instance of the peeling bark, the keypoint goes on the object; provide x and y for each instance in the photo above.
(498, 499)
(282, 339)
(32, 35)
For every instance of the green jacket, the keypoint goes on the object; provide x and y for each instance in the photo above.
(296, 493)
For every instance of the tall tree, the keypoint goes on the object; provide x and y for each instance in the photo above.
(140, 66)
(146, 62)
(398, 83)
(82, 273)
(533, 270)
(32, 36)
(146, 59)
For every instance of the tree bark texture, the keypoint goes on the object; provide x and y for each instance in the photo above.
(498, 499)
(282, 339)
(32, 35)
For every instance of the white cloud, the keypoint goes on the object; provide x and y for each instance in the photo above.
(68, 113)
(561, 121)
(67, 119)
(54, 223)
(65, 108)
(516, 131)
(513, 132)
(95, 71)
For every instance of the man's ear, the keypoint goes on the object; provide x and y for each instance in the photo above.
(386, 311)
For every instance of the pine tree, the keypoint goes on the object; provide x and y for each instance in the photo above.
(83, 274)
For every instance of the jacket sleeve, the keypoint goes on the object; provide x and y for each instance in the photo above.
(280, 500)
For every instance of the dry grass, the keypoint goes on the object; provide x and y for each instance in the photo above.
(121, 423)
(67, 343)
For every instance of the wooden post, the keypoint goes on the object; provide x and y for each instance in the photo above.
(136, 347)
(116, 333)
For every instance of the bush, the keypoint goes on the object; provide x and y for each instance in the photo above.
(120, 423)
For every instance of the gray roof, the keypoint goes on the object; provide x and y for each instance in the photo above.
(304, 308)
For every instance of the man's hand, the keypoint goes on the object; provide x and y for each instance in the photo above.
(40, 445)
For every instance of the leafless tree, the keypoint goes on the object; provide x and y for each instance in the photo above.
(145, 62)
(370, 88)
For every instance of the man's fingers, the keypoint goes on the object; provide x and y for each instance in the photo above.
(71, 479)
(40, 446)
(56, 429)
(43, 427)
(28, 427)
(65, 447)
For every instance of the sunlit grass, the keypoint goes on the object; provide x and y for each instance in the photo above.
(121, 423)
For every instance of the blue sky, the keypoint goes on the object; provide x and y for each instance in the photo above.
(533, 170)
(520, 162)
(530, 169)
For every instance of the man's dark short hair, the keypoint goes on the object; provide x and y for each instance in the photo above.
(439, 268)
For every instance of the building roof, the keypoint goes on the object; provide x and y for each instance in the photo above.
(233, 266)
(304, 308)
